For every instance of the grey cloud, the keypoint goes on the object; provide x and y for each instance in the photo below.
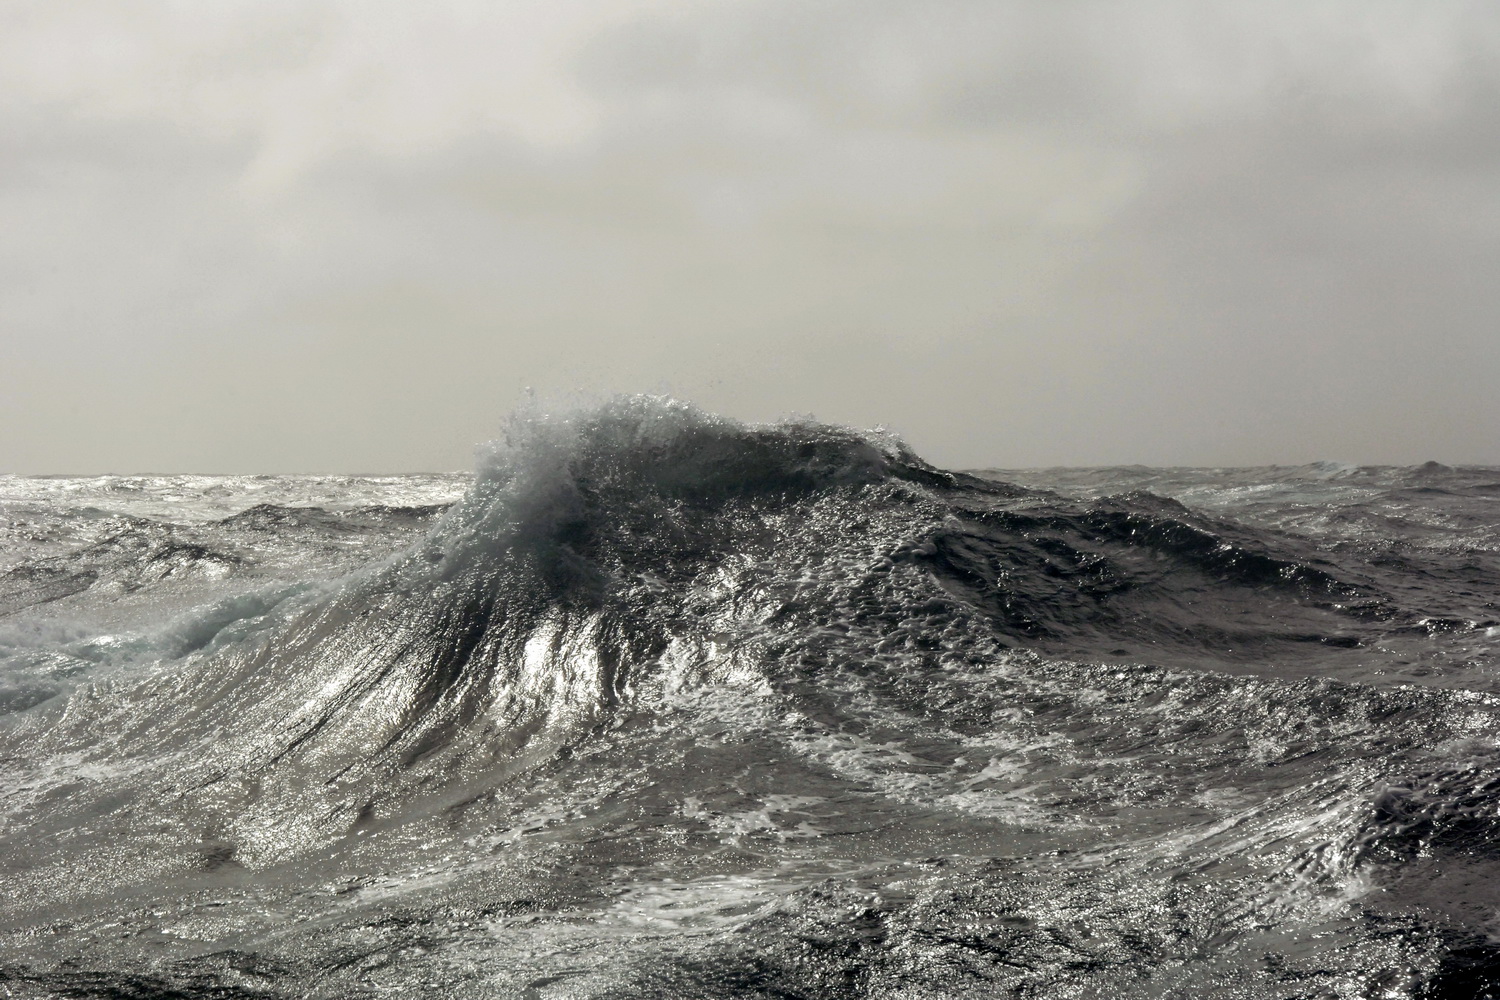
(1019, 233)
(1148, 65)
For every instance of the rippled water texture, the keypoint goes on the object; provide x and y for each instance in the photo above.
(656, 704)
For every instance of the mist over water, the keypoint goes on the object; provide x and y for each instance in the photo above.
(656, 703)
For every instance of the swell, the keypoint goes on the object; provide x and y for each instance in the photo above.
(1141, 577)
(528, 613)
(646, 626)
(144, 552)
(593, 549)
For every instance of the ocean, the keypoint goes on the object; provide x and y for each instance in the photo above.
(658, 704)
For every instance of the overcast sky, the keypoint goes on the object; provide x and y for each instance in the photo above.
(311, 235)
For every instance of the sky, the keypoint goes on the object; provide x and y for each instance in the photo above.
(275, 236)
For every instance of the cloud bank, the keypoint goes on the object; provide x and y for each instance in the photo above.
(334, 236)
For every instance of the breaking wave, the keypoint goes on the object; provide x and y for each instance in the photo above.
(772, 710)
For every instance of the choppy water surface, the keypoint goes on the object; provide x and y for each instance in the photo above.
(656, 704)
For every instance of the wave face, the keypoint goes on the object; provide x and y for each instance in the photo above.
(660, 704)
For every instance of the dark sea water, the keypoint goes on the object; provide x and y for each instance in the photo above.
(656, 704)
